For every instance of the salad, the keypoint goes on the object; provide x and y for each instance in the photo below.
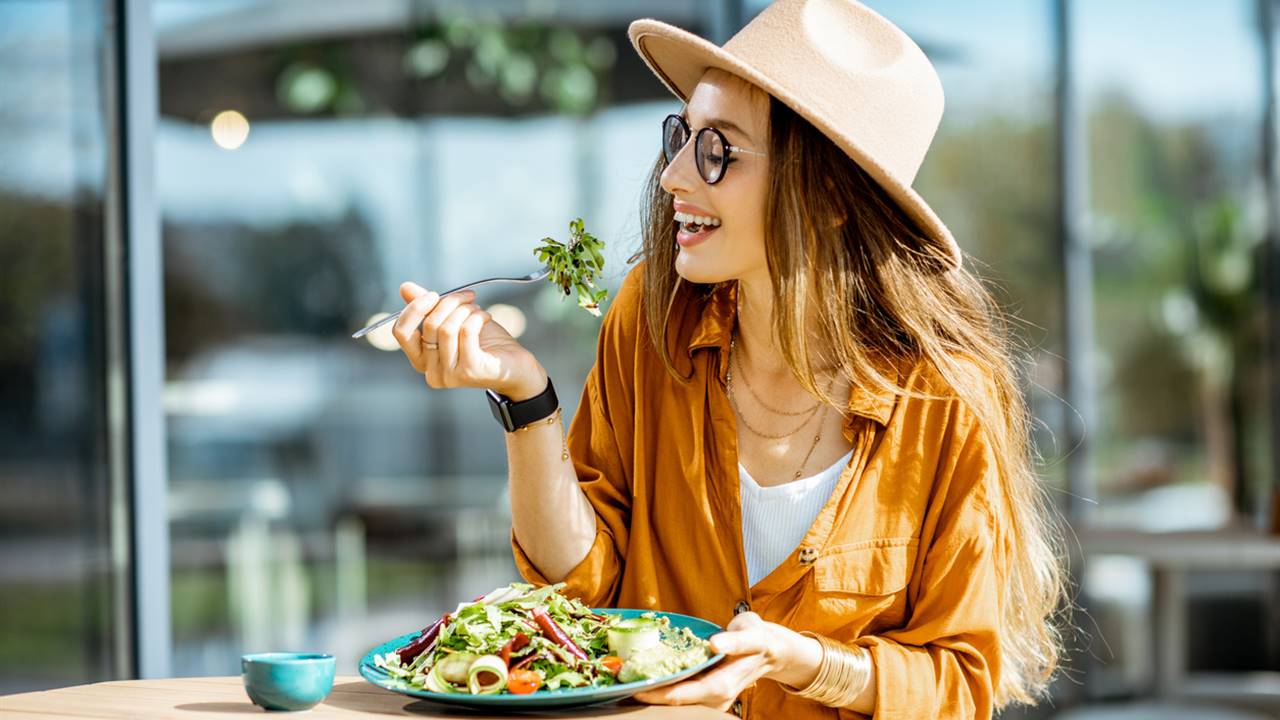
(519, 639)
(575, 265)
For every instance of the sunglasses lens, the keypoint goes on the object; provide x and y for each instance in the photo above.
(710, 155)
(674, 136)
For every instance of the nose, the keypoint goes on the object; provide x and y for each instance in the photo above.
(680, 175)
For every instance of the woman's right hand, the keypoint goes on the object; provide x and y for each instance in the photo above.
(455, 343)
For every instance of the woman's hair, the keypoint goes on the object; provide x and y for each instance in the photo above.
(875, 289)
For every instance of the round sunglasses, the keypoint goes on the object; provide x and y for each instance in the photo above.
(711, 149)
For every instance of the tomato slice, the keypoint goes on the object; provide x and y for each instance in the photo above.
(612, 663)
(523, 682)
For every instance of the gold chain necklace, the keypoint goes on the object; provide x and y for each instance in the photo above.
(747, 423)
(746, 380)
(816, 437)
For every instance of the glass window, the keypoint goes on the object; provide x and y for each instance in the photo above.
(321, 495)
(61, 576)
(1176, 202)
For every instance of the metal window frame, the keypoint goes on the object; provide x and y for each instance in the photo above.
(140, 263)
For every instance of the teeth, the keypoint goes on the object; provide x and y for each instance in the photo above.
(698, 219)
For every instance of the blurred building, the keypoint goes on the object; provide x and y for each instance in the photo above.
(201, 199)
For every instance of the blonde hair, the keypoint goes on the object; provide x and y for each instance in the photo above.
(900, 302)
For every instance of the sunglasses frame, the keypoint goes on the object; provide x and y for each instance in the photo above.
(697, 139)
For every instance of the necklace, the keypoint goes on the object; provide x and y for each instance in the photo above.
(747, 423)
(732, 357)
(817, 437)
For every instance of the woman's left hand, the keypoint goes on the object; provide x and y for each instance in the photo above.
(755, 649)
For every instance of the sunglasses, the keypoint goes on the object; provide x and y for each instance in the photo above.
(711, 149)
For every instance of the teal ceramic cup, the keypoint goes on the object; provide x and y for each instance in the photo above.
(287, 681)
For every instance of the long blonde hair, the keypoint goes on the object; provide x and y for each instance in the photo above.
(897, 302)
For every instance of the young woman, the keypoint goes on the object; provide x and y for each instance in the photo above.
(804, 419)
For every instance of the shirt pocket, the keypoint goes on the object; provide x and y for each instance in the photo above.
(863, 585)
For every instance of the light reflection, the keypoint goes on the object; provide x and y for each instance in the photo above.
(229, 129)
(382, 338)
(510, 317)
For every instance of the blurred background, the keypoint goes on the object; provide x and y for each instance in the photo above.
(201, 199)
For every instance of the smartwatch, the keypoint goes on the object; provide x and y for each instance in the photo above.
(512, 415)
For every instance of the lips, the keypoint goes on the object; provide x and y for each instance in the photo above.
(687, 238)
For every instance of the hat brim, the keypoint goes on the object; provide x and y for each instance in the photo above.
(679, 58)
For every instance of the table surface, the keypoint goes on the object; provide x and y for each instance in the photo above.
(224, 697)
(1227, 549)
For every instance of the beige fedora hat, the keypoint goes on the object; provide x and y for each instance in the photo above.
(851, 73)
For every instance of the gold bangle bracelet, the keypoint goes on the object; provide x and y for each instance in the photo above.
(842, 675)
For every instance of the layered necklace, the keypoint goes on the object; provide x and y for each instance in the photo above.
(808, 414)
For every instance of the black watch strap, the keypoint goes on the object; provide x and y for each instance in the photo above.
(514, 415)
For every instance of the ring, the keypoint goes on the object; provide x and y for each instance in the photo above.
(430, 346)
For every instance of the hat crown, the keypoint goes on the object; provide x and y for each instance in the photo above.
(845, 62)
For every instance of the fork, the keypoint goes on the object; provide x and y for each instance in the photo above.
(531, 277)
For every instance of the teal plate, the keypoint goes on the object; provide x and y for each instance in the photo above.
(542, 699)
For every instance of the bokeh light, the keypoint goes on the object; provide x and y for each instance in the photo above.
(229, 129)
(510, 317)
(382, 337)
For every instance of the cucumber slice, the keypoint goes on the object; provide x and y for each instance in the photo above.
(488, 675)
(632, 635)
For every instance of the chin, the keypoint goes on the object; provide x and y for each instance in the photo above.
(700, 270)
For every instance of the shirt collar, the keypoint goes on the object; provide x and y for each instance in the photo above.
(712, 326)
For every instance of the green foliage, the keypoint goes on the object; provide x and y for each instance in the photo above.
(576, 265)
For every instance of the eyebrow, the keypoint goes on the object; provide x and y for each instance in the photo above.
(722, 125)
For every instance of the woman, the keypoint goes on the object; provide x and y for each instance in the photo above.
(803, 421)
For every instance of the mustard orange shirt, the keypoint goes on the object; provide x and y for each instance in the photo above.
(903, 559)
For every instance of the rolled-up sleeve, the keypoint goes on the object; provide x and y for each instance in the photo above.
(944, 663)
(600, 440)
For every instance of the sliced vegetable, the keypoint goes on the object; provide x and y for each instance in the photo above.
(515, 644)
(423, 641)
(556, 633)
(612, 663)
(487, 675)
(628, 636)
(523, 682)
(453, 668)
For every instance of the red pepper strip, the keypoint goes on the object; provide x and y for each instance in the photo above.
(557, 633)
(513, 645)
(423, 641)
(527, 659)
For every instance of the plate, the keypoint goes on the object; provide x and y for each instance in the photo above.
(562, 698)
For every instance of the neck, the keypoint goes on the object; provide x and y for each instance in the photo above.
(757, 342)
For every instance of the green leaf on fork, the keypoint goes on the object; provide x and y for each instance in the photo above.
(575, 266)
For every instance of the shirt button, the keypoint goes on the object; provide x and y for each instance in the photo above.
(808, 555)
(741, 607)
(737, 708)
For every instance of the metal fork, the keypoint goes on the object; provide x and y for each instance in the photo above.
(531, 277)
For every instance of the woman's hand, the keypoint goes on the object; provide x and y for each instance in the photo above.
(454, 343)
(755, 649)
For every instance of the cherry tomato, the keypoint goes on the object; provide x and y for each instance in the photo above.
(523, 682)
(612, 663)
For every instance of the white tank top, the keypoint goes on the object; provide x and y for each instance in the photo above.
(775, 519)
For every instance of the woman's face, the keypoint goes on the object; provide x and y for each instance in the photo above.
(734, 249)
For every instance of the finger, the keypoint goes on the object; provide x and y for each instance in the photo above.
(743, 642)
(447, 337)
(406, 328)
(744, 620)
(409, 291)
(692, 692)
(430, 327)
(469, 342)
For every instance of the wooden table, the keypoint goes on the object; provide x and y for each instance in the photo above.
(224, 697)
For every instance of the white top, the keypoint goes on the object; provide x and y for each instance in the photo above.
(775, 519)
